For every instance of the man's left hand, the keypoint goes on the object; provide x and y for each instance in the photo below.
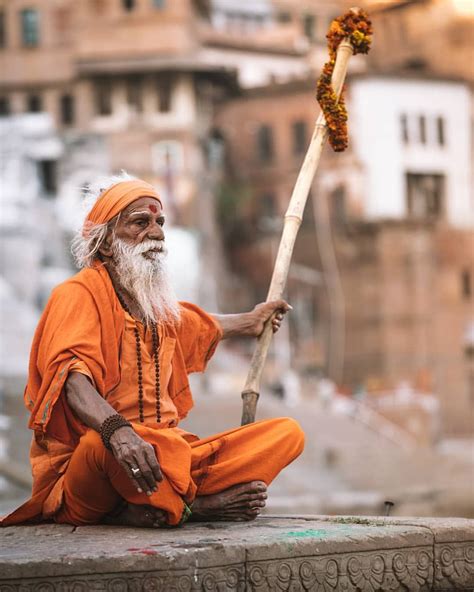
(276, 309)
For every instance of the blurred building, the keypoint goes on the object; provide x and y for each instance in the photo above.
(144, 74)
(143, 77)
(27, 144)
(125, 70)
(424, 34)
(393, 218)
(213, 102)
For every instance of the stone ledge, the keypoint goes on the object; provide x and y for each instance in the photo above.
(274, 553)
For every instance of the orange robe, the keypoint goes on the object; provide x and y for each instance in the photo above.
(84, 328)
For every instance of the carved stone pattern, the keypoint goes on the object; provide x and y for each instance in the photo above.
(396, 570)
(407, 570)
(220, 579)
(454, 566)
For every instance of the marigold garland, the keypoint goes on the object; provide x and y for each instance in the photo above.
(357, 27)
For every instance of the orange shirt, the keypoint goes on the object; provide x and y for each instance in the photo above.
(124, 397)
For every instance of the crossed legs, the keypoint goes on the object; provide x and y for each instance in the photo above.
(230, 473)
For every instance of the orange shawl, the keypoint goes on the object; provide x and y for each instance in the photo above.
(83, 320)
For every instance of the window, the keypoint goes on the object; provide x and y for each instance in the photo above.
(158, 3)
(165, 88)
(30, 27)
(128, 5)
(67, 109)
(265, 144)
(309, 26)
(167, 156)
(466, 284)
(299, 137)
(440, 130)
(215, 149)
(284, 18)
(34, 104)
(4, 106)
(3, 32)
(48, 176)
(422, 128)
(266, 215)
(104, 99)
(134, 94)
(404, 126)
(425, 195)
(268, 207)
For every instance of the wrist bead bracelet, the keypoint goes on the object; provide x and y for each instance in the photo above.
(111, 425)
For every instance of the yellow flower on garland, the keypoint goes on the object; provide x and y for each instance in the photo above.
(357, 27)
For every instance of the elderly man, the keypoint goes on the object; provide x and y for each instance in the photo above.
(108, 386)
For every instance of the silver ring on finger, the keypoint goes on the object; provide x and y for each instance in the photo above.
(135, 470)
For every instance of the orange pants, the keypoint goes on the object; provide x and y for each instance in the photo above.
(95, 483)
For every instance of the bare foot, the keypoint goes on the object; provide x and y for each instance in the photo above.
(140, 516)
(240, 502)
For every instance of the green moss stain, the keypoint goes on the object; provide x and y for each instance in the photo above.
(339, 526)
(310, 533)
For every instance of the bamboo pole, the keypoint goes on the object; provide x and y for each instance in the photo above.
(293, 219)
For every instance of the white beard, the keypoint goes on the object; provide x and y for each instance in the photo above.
(146, 278)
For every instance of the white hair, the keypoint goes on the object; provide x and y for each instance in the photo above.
(85, 246)
(143, 273)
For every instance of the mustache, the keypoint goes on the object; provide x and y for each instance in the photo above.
(145, 246)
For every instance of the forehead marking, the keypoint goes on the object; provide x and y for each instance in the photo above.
(153, 208)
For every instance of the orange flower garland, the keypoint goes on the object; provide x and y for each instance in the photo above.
(357, 27)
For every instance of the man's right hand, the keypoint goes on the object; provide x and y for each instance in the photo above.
(132, 452)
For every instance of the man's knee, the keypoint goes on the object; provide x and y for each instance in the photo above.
(90, 445)
(291, 434)
(295, 433)
(91, 453)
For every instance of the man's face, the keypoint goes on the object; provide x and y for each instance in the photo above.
(135, 252)
(141, 221)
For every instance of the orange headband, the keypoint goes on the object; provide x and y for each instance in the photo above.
(115, 199)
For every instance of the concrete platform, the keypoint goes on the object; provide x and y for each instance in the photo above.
(273, 553)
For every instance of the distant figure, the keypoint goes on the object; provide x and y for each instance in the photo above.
(326, 392)
(108, 385)
(287, 388)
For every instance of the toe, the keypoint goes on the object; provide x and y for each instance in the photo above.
(255, 496)
(259, 485)
(252, 513)
(256, 504)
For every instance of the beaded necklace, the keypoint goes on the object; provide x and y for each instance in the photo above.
(156, 344)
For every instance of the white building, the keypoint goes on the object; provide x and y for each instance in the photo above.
(247, 35)
(29, 148)
(413, 140)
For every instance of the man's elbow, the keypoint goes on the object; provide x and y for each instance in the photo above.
(72, 386)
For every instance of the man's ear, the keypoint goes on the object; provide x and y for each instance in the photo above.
(105, 248)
